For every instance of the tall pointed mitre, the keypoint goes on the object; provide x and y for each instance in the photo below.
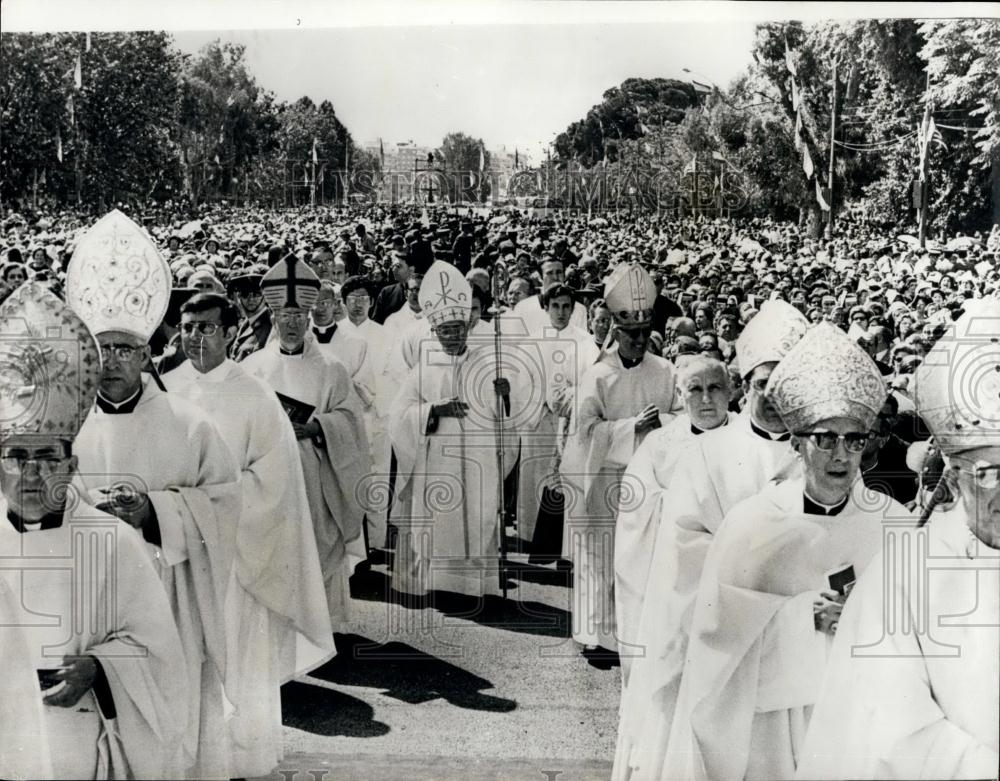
(769, 336)
(630, 293)
(290, 283)
(445, 295)
(958, 383)
(117, 280)
(50, 365)
(826, 375)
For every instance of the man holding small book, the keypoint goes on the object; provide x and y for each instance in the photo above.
(316, 391)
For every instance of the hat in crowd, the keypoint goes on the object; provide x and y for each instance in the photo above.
(958, 382)
(117, 280)
(770, 335)
(445, 295)
(50, 365)
(630, 293)
(289, 284)
(826, 375)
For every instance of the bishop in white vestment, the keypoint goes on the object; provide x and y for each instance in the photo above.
(621, 398)
(443, 427)
(317, 394)
(93, 619)
(714, 472)
(778, 573)
(157, 462)
(913, 686)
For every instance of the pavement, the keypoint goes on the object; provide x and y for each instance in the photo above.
(471, 689)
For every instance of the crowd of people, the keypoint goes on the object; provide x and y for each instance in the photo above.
(741, 443)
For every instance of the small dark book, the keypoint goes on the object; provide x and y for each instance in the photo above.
(297, 411)
(842, 581)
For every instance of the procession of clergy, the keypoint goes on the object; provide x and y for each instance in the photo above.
(179, 545)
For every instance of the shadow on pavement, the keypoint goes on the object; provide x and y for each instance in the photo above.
(408, 674)
(512, 614)
(323, 711)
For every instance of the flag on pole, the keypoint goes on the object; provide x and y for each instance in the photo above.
(88, 42)
(934, 135)
(315, 155)
(217, 161)
(69, 109)
(704, 89)
(381, 154)
(795, 95)
(820, 199)
(718, 156)
(807, 163)
(59, 152)
(789, 63)
(515, 158)
(78, 73)
(798, 130)
(42, 179)
(482, 158)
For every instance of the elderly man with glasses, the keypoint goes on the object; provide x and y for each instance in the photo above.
(913, 686)
(779, 572)
(108, 656)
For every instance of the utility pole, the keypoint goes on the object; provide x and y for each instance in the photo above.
(925, 148)
(833, 148)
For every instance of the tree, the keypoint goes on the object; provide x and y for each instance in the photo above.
(460, 155)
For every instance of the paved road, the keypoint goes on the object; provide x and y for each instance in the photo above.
(489, 690)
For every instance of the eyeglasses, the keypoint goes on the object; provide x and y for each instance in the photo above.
(204, 329)
(14, 463)
(358, 298)
(122, 352)
(986, 476)
(854, 442)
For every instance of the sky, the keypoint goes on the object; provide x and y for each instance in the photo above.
(512, 72)
(513, 85)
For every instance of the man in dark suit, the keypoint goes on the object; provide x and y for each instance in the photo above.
(255, 321)
(391, 298)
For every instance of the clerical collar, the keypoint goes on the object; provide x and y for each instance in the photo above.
(324, 333)
(628, 363)
(121, 407)
(699, 431)
(768, 434)
(47, 521)
(812, 507)
(299, 351)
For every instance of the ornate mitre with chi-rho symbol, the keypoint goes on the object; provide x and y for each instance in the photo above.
(445, 295)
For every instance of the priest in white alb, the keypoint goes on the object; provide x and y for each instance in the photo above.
(778, 573)
(96, 627)
(159, 463)
(714, 472)
(706, 389)
(557, 356)
(316, 392)
(276, 614)
(913, 686)
(443, 425)
(625, 395)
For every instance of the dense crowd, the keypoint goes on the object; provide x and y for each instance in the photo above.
(709, 423)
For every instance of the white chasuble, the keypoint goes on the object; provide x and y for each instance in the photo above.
(169, 449)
